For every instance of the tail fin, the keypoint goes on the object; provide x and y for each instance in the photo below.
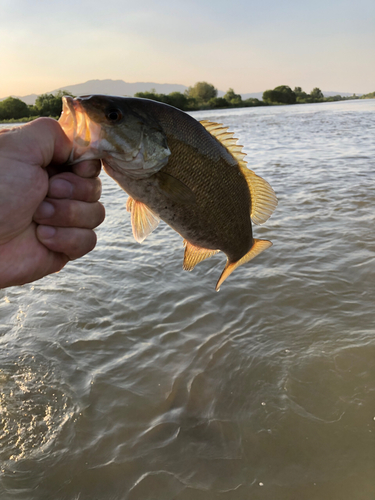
(256, 249)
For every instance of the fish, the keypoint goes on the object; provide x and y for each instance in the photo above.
(189, 173)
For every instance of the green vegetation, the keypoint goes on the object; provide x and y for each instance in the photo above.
(49, 104)
(202, 95)
(285, 95)
(14, 110)
(371, 95)
(280, 95)
(175, 99)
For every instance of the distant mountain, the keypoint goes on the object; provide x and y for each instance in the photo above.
(119, 87)
(331, 93)
(111, 87)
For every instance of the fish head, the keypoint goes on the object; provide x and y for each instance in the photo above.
(126, 137)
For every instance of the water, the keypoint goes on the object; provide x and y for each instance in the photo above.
(124, 377)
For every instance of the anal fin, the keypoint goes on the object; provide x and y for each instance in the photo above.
(256, 249)
(143, 219)
(193, 255)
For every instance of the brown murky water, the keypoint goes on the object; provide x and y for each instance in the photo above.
(126, 378)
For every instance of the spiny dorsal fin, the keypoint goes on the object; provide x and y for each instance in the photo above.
(263, 197)
(143, 219)
(193, 255)
(226, 138)
(256, 249)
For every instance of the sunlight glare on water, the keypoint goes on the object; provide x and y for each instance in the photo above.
(124, 377)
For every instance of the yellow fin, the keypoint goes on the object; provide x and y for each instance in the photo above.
(175, 189)
(193, 255)
(226, 138)
(256, 249)
(144, 220)
(263, 197)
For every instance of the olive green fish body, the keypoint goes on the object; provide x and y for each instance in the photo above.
(219, 216)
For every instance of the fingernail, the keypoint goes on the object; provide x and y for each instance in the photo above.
(46, 232)
(60, 188)
(44, 211)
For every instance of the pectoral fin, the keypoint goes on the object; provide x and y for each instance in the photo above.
(144, 220)
(174, 189)
(193, 255)
(256, 249)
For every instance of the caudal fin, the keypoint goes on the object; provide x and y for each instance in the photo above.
(256, 249)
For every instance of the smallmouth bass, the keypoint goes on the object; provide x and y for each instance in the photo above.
(190, 174)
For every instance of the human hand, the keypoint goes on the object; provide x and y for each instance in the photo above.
(46, 218)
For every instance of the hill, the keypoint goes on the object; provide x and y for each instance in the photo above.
(110, 87)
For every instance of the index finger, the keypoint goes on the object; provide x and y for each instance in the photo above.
(39, 142)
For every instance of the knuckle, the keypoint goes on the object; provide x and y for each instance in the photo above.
(71, 212)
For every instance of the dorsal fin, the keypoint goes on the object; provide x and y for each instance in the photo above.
(193, 255)
(263, 197)
(143, 219)
(226, 138)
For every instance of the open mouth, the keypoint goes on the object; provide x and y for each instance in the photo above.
(83, 132)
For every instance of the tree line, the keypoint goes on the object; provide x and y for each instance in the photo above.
(202, 95)
(13, 109)
(285, 95)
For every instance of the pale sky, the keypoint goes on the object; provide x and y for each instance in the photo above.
(249, 45)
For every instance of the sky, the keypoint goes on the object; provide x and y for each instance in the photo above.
(247, 45)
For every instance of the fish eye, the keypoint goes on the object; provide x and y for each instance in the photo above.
(114, 115)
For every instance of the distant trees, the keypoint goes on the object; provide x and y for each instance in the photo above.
(280, 95)
(176, 99)
(202, 95)
(232, 98)
(50, 104)
(202, 92)
(371, 95)
(301, 96)
(12, 107)
(217, 103)
(316, 94)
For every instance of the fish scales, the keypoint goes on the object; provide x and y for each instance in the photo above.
(221, 212)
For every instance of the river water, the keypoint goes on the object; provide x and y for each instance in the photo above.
(124, 377)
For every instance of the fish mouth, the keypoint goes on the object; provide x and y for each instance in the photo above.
(83, 132)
